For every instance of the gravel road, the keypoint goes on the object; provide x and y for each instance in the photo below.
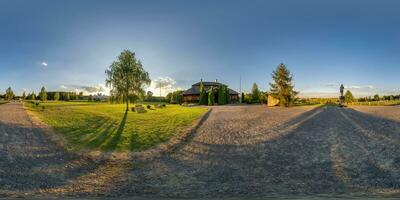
(255, 151)
(239, 151)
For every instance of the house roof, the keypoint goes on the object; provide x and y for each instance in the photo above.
(196, 90)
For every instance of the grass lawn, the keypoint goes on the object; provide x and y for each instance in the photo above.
(102, 126)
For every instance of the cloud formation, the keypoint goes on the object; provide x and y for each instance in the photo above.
(93, 89)
(166, 83)
(44, 64)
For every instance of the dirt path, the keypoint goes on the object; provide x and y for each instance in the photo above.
(256, 151)
(29, 161)
(239, 151)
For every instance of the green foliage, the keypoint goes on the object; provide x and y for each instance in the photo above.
(227, 95)
(175, 97)
(67, 97)
(23, 96)
(263, 97)
(9, 94)
(33, 96)
(222, 100)
(126, 77)
(43, 94)
(203, 95)
(80, 97)
(376, 97)
(282, 88)
(211, 96)
(255, 94)
(102, 126)
(348, 96)
(56, 96)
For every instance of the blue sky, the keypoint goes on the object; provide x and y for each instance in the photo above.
(67, 45)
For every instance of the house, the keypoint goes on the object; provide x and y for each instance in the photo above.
(193, 93)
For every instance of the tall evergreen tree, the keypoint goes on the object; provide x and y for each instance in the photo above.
(227, 96)
(211, 96)
(23, 96)
(9, 94)
(67, 97)
(56, 96)
(43, 94)
(348, 96)
(33, 96)
(255, 94)
(242, 98)
(283, 88)
(221, 95)
(203, 94)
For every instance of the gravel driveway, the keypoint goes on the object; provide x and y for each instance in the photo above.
(239, 151)
(256, 151)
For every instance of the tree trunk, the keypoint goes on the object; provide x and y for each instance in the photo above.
(127, 103)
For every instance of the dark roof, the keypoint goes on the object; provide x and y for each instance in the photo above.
(196, 90)
(208, 84)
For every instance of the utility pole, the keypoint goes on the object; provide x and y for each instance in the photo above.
(160, 91)
(240, 88)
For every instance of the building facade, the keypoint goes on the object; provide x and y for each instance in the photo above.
(192, 95)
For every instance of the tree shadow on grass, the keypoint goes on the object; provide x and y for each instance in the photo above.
(113, 142)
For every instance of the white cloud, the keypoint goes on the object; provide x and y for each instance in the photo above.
(352, 87)
(63, 87)
(167, 85)
(44, 64)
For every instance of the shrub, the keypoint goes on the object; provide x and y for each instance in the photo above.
(43, 107)
(37, 103)
(148, 106)
(133, 109)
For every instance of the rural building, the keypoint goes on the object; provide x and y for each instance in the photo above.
(193, 93)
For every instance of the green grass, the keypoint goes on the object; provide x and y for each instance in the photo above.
(102, 126)
(376, 103)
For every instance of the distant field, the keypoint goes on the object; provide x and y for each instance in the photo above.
(376, 103)
(103, 126)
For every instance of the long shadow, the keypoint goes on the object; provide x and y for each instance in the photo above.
(113, 142)
(300, 162)
(30, 160)
(380, 125)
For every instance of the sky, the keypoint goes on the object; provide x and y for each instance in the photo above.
(67, 45)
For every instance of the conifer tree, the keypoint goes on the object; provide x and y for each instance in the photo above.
(255, 94)
(282, 88)
(43, 94)
(203, 97)
(348, 96)
(221, 95)
(33, 96)
(56, 96)
(211, 96)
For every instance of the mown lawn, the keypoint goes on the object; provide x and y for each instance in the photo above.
(102, 126)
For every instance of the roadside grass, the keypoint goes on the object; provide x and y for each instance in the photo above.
(3, 102)
(103, 126)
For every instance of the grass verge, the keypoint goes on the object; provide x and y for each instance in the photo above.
(102, 126)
